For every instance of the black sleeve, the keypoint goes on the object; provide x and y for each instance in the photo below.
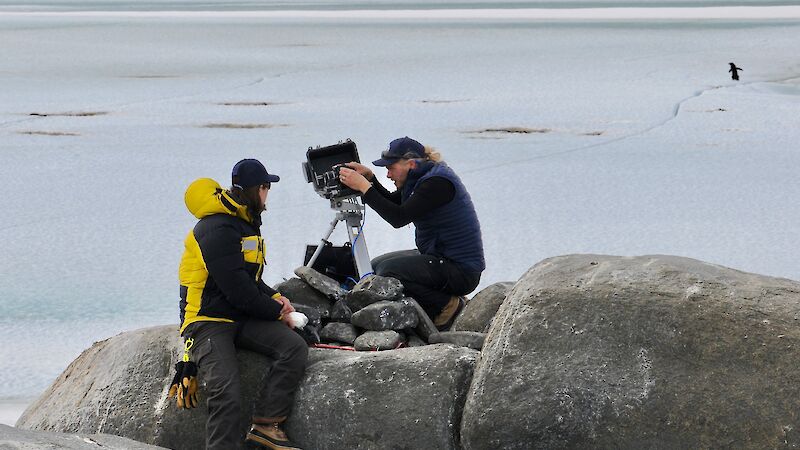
(222, 253)
(429, 195)
(265, 288)
(394, 197)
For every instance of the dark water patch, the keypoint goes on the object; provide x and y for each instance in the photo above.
(252, 103)
(70, 114)
(48, 133)
(150, 77)
(512, 130)
(593, 133)
(246, 126)
(436, 102)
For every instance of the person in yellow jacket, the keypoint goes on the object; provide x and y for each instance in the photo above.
(225, 305)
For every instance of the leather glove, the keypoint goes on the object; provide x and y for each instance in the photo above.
(184, 383)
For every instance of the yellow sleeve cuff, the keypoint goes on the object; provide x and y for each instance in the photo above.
(276, 296)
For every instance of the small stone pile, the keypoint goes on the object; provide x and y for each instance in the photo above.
(374, 315)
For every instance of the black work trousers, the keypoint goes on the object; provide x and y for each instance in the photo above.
(430, 280)
(214, 351)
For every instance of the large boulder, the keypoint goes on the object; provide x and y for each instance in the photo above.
(639, 352)
(481, 309)
(400, 399)
(471, 339)
(119, 386)
(19, 439)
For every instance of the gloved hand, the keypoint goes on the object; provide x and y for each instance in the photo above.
(184, 385)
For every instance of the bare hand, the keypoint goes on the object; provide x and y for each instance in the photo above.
(287, 306)
(354, 180)
(365, 171)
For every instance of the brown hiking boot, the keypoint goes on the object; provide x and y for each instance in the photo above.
(449, 313)
(269, 434)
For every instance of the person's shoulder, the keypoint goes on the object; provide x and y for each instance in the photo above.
(437, 181)
(216, 223)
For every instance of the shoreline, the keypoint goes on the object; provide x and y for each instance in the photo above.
(11, 409)
(520, 14)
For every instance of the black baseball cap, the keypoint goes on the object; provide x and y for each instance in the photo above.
(401, 148)
(250, 172)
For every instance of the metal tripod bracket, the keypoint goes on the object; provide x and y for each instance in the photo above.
(349, 211)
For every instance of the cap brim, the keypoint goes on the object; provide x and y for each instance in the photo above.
(383, 162)
(273, 178)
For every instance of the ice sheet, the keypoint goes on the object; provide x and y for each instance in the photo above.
(636, 142)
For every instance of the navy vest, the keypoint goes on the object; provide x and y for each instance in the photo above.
(452, 230)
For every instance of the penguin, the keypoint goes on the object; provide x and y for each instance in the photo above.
(734, 71)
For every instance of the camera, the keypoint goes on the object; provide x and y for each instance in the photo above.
(322, 167)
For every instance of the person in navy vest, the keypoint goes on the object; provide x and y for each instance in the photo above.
(448, 261)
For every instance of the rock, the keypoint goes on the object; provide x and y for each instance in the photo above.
(425, 327)
(339, 332)
(478, 313)
(372, 289)
(403, 399)
(16, 438)
(304, 298)
(378, 340)
(596, 351)
(322, 283)
(386, 316)
(119, 386)
(340, 312)
(470, 339)
(412, 340)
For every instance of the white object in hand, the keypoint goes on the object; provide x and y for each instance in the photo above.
(299, 320)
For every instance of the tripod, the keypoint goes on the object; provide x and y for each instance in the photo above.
(349, 211)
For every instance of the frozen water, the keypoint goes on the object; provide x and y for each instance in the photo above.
(638, 142)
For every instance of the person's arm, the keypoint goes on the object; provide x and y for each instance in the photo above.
(394, 197)
(222, 253)
(429, 195)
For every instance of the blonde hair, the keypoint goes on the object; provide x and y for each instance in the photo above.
(432, 155)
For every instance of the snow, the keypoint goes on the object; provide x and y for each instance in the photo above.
(640, 143)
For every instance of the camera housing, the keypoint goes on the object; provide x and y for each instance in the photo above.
(322, 165)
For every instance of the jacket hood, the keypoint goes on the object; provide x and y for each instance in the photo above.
(205, 197)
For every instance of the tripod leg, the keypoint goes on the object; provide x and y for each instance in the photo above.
(359, 242)
(322, 243)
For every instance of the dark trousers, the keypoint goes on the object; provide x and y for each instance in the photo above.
(430, 280)
(214, 351)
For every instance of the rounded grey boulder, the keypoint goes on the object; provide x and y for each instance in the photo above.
(372, 289)
(339, 332)
(481, 309)
(119, 386)
(401, 399)
(471, 339)
(596, 351)
(386, 316)
(378, 340)
(15, 438)
(324, 284)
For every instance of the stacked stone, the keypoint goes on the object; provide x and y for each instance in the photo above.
(374, 315)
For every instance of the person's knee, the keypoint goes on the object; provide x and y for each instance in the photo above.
(296, 352)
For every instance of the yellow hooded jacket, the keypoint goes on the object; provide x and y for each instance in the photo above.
(222, 263)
